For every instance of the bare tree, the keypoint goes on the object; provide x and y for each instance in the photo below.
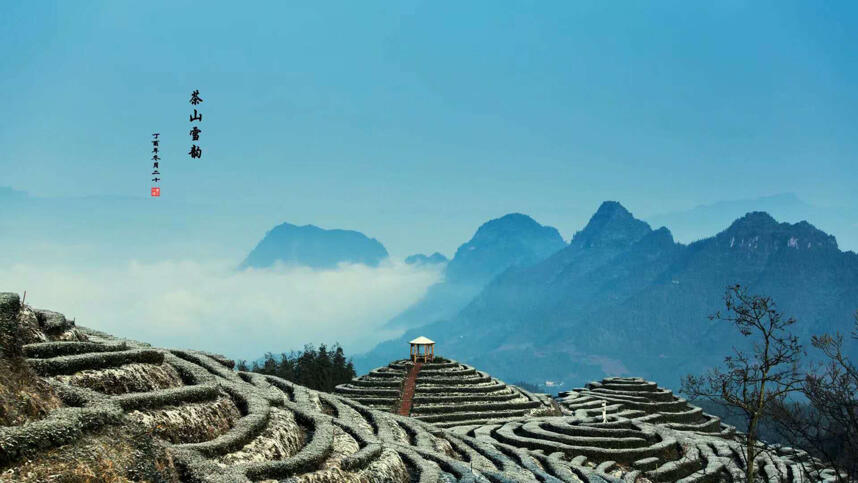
(826, 424)
(752, 382)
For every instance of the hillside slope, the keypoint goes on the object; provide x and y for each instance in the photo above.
(214, 424)
(625, 298)
(513, 240)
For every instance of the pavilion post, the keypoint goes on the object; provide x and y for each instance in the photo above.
(422, 349)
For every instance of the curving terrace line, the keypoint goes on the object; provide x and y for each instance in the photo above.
(628, 450)
(265, 428)
(643, 400)
(446, 393)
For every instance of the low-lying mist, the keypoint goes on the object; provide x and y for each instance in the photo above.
(211, 306)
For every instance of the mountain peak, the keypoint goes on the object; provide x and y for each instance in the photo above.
(755, 219)
(422, 259)
(511, 222)
(612, 208)
(314, 247)
(758, 228)
(513, 239)
(611, 226)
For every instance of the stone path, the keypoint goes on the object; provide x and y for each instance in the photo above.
(408, 390)
(446, 393)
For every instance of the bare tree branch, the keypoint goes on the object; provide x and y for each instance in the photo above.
(756, 381)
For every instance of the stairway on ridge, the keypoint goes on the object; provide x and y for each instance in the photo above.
(408, 390)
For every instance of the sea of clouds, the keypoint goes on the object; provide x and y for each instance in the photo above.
(211, 306)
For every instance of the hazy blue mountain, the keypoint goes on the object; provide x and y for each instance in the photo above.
(513, 240)
(106, 230)
(702, 221)
(315, 247)
(625, 299)
(611, 227)
(510, 240)
(421, 259)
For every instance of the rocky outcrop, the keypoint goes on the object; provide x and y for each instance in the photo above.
(24, 397)
(10, 330)
(38, 325)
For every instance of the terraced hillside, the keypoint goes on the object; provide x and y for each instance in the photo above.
(218, 425)
(447, 393)
(641, 400)
(635, 451)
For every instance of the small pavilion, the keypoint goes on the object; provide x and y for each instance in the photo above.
(427, 354)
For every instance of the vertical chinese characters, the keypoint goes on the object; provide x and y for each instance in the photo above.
(196, 151)
(156, 161)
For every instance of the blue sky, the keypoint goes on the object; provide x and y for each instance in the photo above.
(417, 121)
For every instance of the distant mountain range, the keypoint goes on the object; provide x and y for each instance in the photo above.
(704, 220)
(622, 298)
(314, 247)
(421, 259)
(509, 241)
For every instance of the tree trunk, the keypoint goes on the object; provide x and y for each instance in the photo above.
(749, 467)
(750, 440)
